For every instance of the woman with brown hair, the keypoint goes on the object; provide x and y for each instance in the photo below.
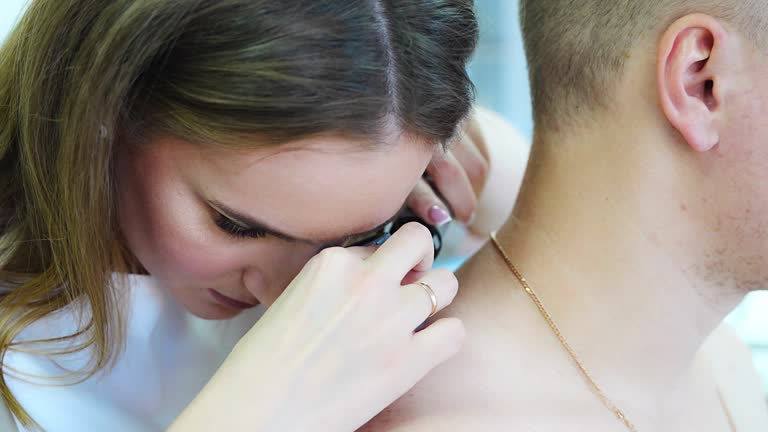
(166, 170)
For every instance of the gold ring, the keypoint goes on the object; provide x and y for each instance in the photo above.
(432, 297)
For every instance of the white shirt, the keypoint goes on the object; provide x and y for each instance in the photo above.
(168, 357)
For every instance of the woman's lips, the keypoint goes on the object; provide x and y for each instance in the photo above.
(228, 301)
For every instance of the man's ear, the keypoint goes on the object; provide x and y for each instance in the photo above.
(692, 67)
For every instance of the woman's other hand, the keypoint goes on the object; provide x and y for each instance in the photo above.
(454, 180)
(338, 346)
(475, 182)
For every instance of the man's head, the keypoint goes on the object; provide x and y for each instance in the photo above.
(671, 96)
(577, 50)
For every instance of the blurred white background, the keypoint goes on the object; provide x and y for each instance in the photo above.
(9, 12)
(500, 74)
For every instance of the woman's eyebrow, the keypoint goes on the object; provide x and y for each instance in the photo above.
(252, 223)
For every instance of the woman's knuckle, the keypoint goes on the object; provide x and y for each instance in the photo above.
(449, 168)
(477, 168)
(332, 257)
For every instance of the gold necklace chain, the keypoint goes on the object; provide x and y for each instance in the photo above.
(547, 317)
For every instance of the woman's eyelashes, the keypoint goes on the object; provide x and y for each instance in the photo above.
(236, 230)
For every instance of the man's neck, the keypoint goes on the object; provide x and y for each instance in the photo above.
(613, 242)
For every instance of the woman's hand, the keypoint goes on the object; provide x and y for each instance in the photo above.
(456, 180)
(338, 346)
(478, 179)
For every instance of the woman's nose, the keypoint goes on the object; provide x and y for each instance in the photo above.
(268, 280)
(254, 282)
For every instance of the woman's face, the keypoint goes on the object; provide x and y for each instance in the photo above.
(225, 229)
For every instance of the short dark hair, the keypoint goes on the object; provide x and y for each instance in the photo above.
(577, 49)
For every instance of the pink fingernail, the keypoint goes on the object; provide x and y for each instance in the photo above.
(439, 215)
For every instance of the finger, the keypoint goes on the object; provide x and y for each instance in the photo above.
(431, 294)
(409, 249)
(425, 203)
(439, 342)
(362, 252)
(475, 164)
(474, 131)
(454, 185)
(413, 277)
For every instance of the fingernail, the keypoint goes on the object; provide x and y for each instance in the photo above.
(439, 215)
(471, 218)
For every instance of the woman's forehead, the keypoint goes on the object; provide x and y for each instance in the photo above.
(311, 190)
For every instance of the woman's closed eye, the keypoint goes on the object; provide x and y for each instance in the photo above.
(236, 230)
(373, 238)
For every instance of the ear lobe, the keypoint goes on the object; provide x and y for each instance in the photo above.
(687, 83)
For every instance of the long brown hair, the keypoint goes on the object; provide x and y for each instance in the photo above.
(80, 77)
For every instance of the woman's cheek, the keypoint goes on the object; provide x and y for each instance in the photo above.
(193, 254)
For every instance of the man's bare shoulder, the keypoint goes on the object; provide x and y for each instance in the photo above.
(505, 378)
(541, 418)
(740, 386)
